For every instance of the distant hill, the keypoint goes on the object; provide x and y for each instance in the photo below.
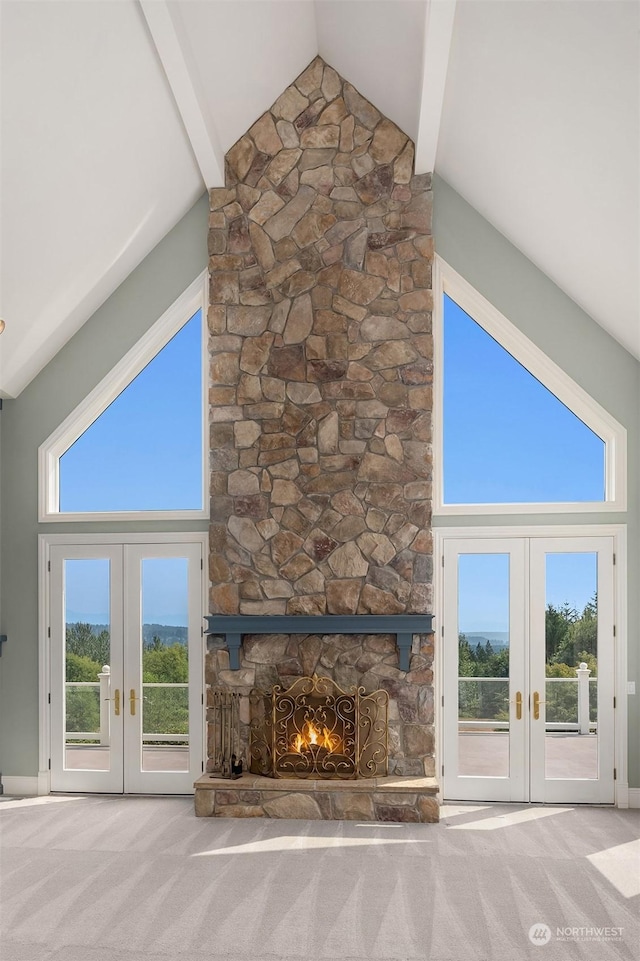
(168, 633)
(499, 639)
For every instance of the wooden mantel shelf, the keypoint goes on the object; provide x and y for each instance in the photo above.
(404, 626)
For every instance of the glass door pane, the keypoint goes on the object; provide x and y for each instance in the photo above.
(571, 666)
(87, 665)
(164, 648)
(483, 665)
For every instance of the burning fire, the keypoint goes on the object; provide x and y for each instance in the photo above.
(313, 736)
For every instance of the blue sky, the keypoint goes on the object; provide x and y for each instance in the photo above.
(164, 590)
(144, 451)
(506, 437)
(86, 590)
(483, 587)
(483, 593)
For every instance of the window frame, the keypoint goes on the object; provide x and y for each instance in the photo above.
(448, 281)
(194, 298)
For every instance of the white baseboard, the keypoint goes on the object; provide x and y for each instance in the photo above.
(20, 786)
(621, 795)
(17, 786)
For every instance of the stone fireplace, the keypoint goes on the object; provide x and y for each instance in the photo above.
(320, 411)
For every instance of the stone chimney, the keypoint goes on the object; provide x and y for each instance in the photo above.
(321, 362)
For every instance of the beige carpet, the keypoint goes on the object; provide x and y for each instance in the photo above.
(141, 879)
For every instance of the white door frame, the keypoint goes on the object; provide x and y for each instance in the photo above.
(595, 790)
(619, 534)
(45, 542)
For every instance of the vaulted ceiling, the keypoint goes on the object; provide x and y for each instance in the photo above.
(117, 114)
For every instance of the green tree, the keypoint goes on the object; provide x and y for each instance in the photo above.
(165, 665)
(576, 644)
(81, 639)
(79, 667)
(82, 704)
(558, 620)
(583, 634)
(484, 699)
(500, 664)
(83, 709)
(479, 653)
(466, 660)
(165, 710)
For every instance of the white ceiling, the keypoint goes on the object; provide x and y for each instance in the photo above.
(116, 114)
(540, 134)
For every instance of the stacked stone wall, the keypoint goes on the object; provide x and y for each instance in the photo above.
(321, 393)
(321, 362)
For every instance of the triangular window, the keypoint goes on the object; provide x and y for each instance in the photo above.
(514, 436)
(135, 446)
(507, 439)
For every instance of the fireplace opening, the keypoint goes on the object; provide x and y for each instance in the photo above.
(314, 729)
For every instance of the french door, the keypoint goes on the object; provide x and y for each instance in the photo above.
(125, 667)
(528, 705)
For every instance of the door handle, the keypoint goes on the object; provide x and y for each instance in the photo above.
(536, 706)
(519, 705)
(132, 701)
(116, 702)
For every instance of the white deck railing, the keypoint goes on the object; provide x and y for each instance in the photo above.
(103, 692)
(582, 724)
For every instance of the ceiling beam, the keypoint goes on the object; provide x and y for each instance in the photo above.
(438, 31)
(204, 140)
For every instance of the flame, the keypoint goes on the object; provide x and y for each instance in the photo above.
(313, 736)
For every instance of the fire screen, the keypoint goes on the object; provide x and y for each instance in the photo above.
(314, 729)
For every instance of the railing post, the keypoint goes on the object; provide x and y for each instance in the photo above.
(583, 673)
(105, 704)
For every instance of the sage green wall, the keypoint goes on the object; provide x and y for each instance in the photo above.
(27, 421)
(571, 338)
